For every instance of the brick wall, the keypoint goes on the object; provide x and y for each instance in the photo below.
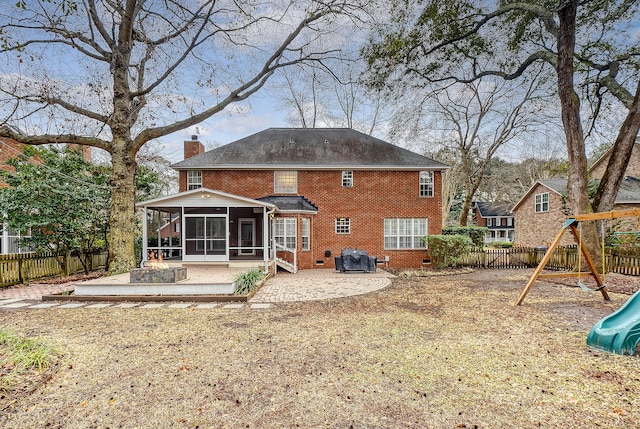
(633, 169)
(539, 229)
(9, 148)
(375, 195)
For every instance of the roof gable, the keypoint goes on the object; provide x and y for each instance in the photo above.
(204, 197)
(309, 148)
(559, 186)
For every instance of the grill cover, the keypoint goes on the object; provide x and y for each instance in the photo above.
(355, 260)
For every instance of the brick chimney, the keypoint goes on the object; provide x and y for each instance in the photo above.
(193, 147)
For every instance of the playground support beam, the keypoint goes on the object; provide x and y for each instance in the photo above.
(571, 225)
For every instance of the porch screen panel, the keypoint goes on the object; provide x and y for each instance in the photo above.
(216, 233)
(194, 238)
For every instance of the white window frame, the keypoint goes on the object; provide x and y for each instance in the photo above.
(194, 179)
(405, 233)
(285, 182)
(509, 221)
(305, 233)
(426, 184)
(347, 179)
(540, 200)
(284, 232)
(489, 221)
(343, 225)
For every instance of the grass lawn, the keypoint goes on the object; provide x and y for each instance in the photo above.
(435, 352)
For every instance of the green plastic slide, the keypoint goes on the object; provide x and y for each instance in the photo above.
(619, 332)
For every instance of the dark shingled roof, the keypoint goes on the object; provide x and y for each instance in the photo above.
(487, 209)
(290, 203)
(309, 148)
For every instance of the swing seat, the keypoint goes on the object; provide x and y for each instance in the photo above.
(588, 289)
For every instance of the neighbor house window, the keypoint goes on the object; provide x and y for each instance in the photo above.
(542, 202)
(509, 221)
(405, 233)
(285, 232)
(305, 233)
(285, 182)
(426, 183)
(347, 179)
(489, 221)
(194, 180)
(343, 225)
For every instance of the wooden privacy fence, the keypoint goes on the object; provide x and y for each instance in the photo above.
(17, 269)
(564, 258)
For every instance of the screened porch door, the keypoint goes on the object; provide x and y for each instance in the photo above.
(206, 238)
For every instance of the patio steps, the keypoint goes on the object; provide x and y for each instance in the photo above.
(286, 265)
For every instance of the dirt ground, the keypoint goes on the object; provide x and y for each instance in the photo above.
(427, 352)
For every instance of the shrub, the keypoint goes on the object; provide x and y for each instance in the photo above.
(501, 244)
(475, 233)
(445, 250)
(247, 281)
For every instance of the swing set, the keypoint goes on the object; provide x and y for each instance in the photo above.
(574, 225)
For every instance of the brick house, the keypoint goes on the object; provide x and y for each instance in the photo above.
(497, 217)
(540, 214)
(9, 148)
(307, 193)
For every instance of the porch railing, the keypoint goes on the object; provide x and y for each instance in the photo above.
(286, 257)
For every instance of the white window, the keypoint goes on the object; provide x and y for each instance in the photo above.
(305, 233)
(542, 202)
(343, 225)
(194, 180)
(347, 179)
(285, 232)
(285, 182)
(426, 183)
(489, 221)
(405, 233)
(509, 221)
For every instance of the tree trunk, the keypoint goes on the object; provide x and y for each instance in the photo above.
(122, 216)
(577, 184)
(620, 154)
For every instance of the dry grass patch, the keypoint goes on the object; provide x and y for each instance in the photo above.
(437, 352)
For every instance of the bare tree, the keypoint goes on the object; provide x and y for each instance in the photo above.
(331, 95)
(473, 120)
(117, 74)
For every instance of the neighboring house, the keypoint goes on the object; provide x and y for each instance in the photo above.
(9, 148)
(633, 168)
(498, 218)
(307, 193)
(540, 214)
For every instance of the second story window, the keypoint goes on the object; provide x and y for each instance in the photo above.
(285, 182)
(347, 179)
(426, 183)
(542, 202)
(194, 180)
(343, 225)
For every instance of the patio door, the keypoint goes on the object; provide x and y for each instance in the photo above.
(247, 236)
(206, 238)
